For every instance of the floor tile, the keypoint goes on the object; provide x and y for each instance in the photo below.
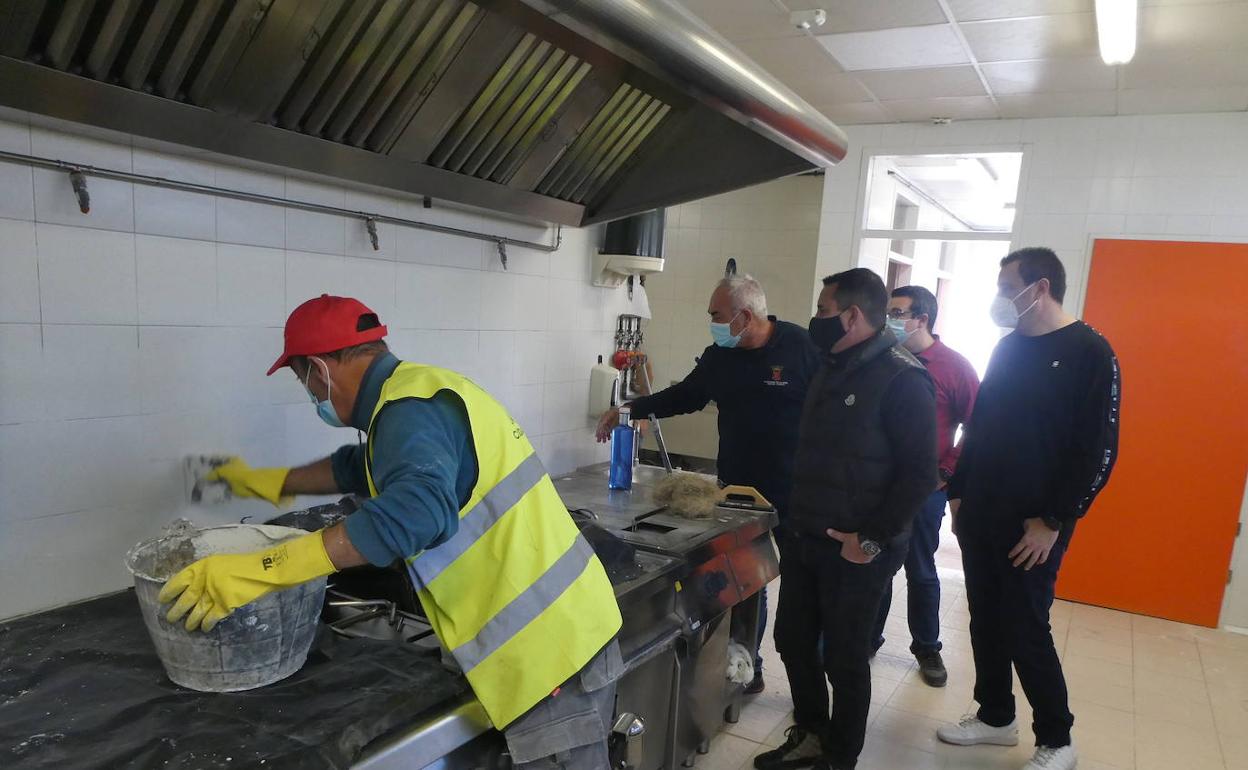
(1146, 693)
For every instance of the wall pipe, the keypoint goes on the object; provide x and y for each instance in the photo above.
(78, 171)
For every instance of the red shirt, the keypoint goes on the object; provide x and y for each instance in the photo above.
(956, 386)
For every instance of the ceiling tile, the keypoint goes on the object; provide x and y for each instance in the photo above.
(744, 19)
(957, 107)
(1194, 68)
(920, 84)
(791, 58)
(1209, 27)
(977, 10)
(862, 15)
(1050, 75)
(850, 114)
(1138, 101)
(1057, 105)
(830, 89)
(930, 46)
(1037, 37)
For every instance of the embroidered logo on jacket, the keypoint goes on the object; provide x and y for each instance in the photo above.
(777, 377)
(849, 400)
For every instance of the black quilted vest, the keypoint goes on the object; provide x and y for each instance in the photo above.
(844, 465)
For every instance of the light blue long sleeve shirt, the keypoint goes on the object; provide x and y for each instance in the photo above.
(424, 468)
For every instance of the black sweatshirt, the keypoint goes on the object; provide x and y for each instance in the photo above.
(759, 394)
(1044, 434)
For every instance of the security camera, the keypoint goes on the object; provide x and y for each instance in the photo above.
(808, 19)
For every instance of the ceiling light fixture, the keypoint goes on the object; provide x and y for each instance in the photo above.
(1115, 28)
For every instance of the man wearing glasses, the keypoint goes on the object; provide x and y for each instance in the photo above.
(912, 317)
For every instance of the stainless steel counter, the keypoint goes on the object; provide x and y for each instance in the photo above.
(726, 559)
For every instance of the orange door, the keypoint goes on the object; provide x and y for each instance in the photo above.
(1158, 540)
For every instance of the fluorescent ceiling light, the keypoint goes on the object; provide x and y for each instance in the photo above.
(1115, 28)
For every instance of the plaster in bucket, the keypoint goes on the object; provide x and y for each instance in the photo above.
(260, 643)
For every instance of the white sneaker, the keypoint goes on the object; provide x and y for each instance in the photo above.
(1047, 758)
(971, 731)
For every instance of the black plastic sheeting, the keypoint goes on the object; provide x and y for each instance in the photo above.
(81, 687)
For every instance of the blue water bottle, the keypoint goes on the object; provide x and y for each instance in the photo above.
(621, 475)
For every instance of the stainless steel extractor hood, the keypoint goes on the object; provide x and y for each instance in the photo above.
(568, 111)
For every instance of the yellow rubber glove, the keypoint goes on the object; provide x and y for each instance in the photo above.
(213, 587)
(245, 481)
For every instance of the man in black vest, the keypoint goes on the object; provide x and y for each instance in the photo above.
(866, 461)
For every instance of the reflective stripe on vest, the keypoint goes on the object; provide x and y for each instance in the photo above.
(524, 608)
(473, 524)
(516, 594)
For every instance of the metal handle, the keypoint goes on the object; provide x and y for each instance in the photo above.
(627, 747)
(658, 429)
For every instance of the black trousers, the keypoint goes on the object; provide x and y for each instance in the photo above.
(823, 595)
(1009, 609)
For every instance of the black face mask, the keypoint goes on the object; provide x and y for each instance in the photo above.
(826, 332)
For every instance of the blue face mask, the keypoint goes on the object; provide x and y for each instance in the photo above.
(723, 336)
(324, 409)
(898, 327)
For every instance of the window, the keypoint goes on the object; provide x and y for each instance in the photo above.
(943, 222)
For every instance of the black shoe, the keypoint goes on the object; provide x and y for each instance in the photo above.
(932, 668)
(801, 748)
(826, 764)
(756, 685)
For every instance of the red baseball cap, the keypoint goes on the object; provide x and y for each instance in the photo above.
(326, 324)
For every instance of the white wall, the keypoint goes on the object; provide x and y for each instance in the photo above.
(1163, 176)
(141, 332)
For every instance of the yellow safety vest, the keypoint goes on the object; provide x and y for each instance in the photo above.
(517, 594)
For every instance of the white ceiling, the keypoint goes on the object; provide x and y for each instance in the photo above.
(879, 61)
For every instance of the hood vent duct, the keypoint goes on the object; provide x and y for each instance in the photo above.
(540, 109)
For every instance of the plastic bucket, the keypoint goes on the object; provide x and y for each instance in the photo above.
(260, 643)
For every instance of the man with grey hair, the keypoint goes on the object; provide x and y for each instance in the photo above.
(756, 372)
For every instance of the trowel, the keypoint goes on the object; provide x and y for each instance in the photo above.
(199, 489)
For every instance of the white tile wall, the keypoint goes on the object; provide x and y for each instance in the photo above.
(310, 231)
(90, 371)
(161, 211)
(177, 280)
(21, 374)
(86, 276)
(1144, 175)
(19, 271)
(251, 285)
(141, 332)
(17, 187)
(255, 224)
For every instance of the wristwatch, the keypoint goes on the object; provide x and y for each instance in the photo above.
(869, 547)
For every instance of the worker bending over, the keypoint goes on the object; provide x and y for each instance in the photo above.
(457, 492)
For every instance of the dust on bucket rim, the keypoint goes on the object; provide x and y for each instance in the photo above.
(185, 529)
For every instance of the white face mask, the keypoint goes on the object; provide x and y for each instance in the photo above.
(1005, 313)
